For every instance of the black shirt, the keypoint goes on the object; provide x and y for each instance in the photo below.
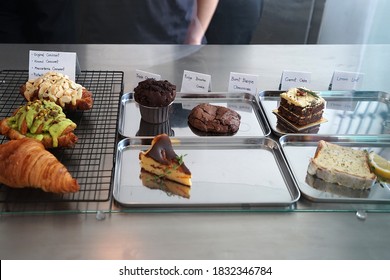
(95, 21)
(136, 21)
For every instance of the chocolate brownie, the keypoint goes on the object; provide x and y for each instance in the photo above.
(153, 93)
(214, 119)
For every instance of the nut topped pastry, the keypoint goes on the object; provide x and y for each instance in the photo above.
(58, 88)
(43, 121)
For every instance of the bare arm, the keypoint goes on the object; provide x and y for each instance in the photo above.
(204, 12)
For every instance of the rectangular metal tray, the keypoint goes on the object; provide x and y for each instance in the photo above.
(253, 122)
(298, 150)
(240, 173)
(346, 112)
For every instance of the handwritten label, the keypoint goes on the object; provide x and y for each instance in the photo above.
(241, 82)
(195, 82)
(346, 104)
(342, 105)
(143, 75)
(291, 79)
(244, 107)
(188, 105)
(342, 80)
(41, 62)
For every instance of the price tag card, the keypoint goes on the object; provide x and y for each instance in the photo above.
(143, 75)
(292, 79)
(342, 80)
(241, 82)
(240, 107)
(195, 82)
(41, 62)
(349, 104)
(342, 105)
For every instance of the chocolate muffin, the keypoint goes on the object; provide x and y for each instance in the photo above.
(153, 93)
(155, 99)
(214, 120)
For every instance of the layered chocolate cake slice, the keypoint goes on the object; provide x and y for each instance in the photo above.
(301, 106)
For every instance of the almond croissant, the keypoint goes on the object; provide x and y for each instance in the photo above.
(26, 163)
(58, 88)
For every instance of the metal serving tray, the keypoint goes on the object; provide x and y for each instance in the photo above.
(253, 122)
(299, 148)
(240, 173)
(346, 112)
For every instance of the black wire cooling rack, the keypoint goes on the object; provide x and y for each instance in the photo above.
(91, 160)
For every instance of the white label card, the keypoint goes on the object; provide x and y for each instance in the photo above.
(292, 79)
(143, 75)
(349, 104)
(195, 82)
(241, 82)
(41, 62)
(342, 80)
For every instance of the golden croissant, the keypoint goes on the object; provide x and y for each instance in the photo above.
(42, 120)
(26, 163)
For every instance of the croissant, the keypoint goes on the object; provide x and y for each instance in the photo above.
(41, 120)
(58, 88)
(26, 163)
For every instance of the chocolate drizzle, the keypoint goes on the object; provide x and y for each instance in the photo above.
(162, 152)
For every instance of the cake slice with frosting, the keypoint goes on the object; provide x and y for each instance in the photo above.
(301, 106)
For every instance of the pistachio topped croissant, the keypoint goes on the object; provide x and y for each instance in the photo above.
(43, 121)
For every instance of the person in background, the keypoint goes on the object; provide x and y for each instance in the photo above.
(36, 21)
(105, 21)
(205, 10)
(234, 21)
(145, 21)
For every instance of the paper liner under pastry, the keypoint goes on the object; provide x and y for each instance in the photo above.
(151, 129)
(152, 181)
(297, 128)
(155, 115)
(285, 128)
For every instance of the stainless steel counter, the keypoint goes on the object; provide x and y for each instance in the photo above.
(106, 231)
